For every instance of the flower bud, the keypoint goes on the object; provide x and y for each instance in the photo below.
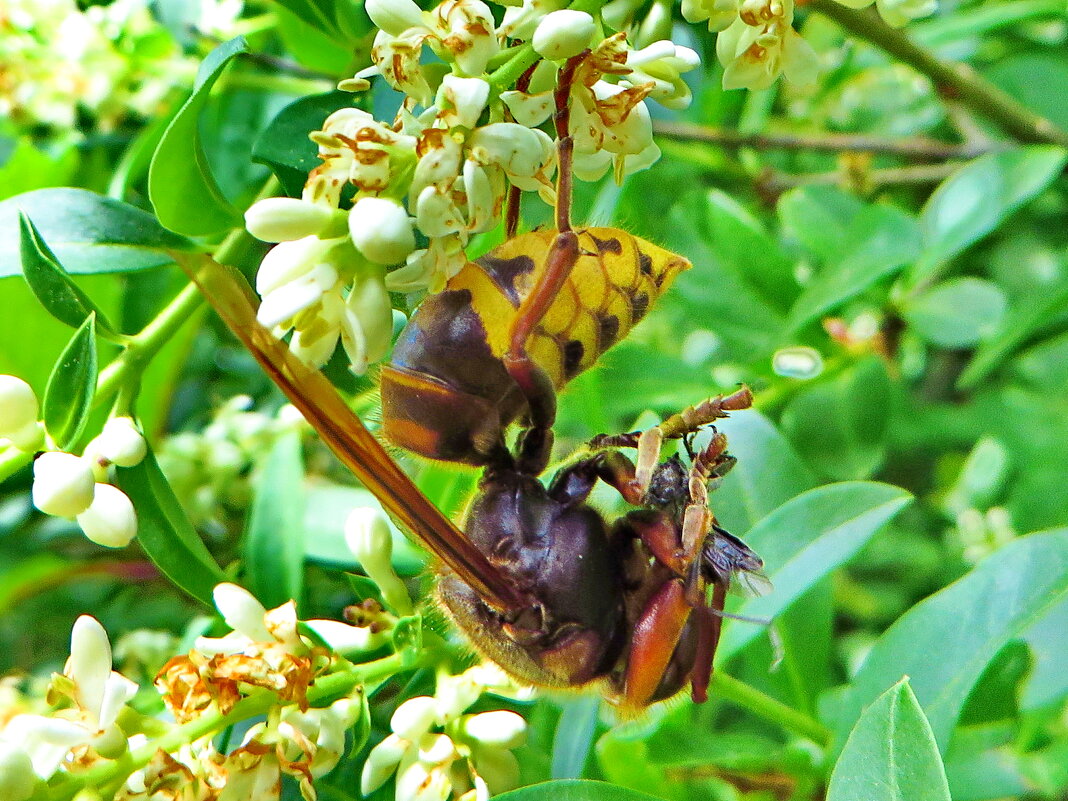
(381, 762)
(381, 230)
(414, 717)
(563, 34)
(500, 729)
(18, 408)
(89, 664)
(17, 778)
(62, 484)
(436, 749)
(465, 97)
(368, 537)
(394, 16)
(241, 611)
(119, 443)
(283, 219)
(419, 782)
(346, 639)
(110, 519)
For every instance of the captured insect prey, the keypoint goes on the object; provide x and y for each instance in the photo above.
(538, 580)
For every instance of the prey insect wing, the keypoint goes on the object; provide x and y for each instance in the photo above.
(343, 432)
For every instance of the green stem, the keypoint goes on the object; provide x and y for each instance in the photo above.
(955, 80)
(771, 709)
(325, 688)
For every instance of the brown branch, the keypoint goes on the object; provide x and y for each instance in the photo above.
(915, 147)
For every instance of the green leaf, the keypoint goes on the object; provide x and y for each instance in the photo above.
(880, 241)
(87, 232)
(805, 539)
(768, 473)
(183, 191)
(957, 313)
(165, 533)
(274, 541)
(890, 755)
(28, 168)
(1037, 78)
(839, 426)
(284, 145)
(51, 284)
(68, 398)
(945, 642)
(820, 218)
(573, 738)
(977, 198)
(574, 790)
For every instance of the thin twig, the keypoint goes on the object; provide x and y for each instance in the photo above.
(775, 183)
(953, 80)
(915, 147)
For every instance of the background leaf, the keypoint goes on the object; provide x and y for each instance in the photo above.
(184, 193)
(274, 537)
(966, 624)
(957, 313)
(890, 754)
(87, 232)
(574, 790)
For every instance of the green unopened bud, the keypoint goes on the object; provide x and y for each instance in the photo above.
(563, 34)
(283, 219)
(63, 484)
(381, 230)
(110, 519)
(368, 537)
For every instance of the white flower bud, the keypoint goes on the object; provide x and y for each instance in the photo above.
(282, 219)
(419, 782)
(17, 778)
(89, 664)
(368, 537)
(563, 34)
(110, 519)
(500, 729)
(29, 438)
(381, 762)
(119, 443)
(498, 767)
(381, 230)
(63, 484)
(347, 639)
(394, 16)
(18, 407)
(414, 717)
(436, 749)
(466, 97)
(242, 612)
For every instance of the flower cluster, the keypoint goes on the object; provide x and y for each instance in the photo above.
(436, 750)
(72, 486)
(422, 185)
(62, 61)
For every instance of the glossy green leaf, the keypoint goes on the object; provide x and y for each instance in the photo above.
(68, 399)
(165, 533)
(768, 473)
(839, 426)
(274, 540)
(1048, 641)
(1026, 320)
(184, 193)
(51, 284)
(574, 790)
(976, 199)
(880, 241)
(87, 232)
(957, 313)
(820, 218)
(804, 540)
(966, 625)
(890, 754)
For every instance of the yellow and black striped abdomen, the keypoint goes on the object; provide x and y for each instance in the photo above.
(611, 287)
(446, 393)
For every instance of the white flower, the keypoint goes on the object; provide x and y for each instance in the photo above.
(281, 219)
(761, 44)
(17, 778)
(18, 413)
(525, 154)
(461, 101)
(897, 12)
(367, 321)
(395, 16)
(719, 13)
(381, 230)
(63, 484)
(293, 277)
(110, 519)
(662, 64)
(120, 443)
(563, 34)
(501, 728)
(414, 717)
(99, 695)
(431, 267)
(358, 149)
(368, 536)
(466, 29)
